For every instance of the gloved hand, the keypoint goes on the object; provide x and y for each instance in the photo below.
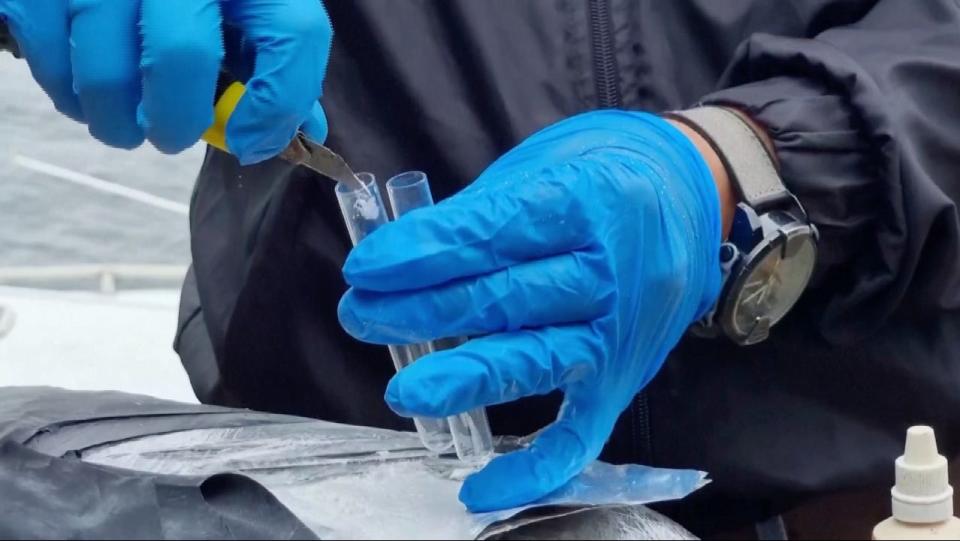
(137, 70)
(580, 257)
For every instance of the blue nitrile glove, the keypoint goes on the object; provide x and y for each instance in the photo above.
(137, 70)
(581, 257)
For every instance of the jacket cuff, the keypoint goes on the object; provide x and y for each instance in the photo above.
(824, 159)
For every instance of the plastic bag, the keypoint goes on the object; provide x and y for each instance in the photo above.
(357, 483)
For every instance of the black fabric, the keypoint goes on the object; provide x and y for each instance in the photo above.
(48, 493)
(861, 99)
(193, 344)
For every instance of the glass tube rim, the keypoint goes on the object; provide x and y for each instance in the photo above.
(369, 181)
(407, 180)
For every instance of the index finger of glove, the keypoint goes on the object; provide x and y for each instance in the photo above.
(569, 288)
(474, 233)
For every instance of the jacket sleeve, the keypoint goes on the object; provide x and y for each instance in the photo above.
(865, 118)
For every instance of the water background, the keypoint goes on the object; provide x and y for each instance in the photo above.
(48, 221)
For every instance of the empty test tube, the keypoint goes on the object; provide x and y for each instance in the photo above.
(363, 212)
(472, 437)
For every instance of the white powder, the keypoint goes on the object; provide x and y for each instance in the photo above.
(400, 500)
(367, 207)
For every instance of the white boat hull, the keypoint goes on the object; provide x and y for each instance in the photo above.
(93, 341)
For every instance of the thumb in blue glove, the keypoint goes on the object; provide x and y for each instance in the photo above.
(137, 70)
(581, 257)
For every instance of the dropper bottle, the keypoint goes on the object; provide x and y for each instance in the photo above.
(923, 497)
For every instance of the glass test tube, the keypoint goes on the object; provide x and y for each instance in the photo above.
(472, 437)
(363, 212)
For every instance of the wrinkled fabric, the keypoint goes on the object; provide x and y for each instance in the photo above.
(147, 70)
(580, 258)
(50, 493)
(866, 130)
(888, 120)
(108, 465)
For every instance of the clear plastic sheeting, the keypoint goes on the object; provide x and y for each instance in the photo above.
(358, 483)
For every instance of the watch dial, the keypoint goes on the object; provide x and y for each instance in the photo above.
(773, 286)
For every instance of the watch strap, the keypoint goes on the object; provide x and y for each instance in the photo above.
(751, 168)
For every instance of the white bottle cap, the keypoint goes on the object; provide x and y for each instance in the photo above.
(923, 494)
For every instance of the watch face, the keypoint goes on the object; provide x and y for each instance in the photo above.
(772, 285)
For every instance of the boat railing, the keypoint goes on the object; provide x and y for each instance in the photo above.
(106, 278)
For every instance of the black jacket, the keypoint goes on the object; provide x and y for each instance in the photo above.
(862, 98)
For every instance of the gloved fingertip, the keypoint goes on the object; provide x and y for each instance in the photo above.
(112, 118)
(394, 398)
(352, 268)
(507, 482)
(251, 154)
(419, 390)
(69, 106)
(477, 497)
(171, 141)
(252, 145)
(369, 318)
(266, 120)
(125, 137)
(349, 319)
(359, 268)
(382, 261)
(402, 396)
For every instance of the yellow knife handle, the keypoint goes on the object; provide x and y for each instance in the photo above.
(216, 135)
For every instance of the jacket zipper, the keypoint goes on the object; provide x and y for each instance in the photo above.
(607, 79)
(605, 70)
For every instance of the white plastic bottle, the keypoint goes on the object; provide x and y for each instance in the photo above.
(923, 497)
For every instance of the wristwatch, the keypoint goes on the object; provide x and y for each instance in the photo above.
(772, 249)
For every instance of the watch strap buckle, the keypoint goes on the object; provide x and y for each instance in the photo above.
(707, 326)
